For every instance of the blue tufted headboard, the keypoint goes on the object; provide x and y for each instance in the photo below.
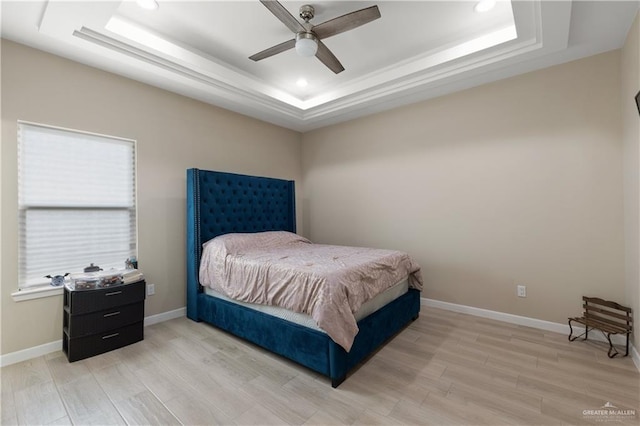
(220, 203)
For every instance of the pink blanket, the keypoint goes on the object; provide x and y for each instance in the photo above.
(329, 283)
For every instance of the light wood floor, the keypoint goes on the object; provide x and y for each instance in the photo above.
(445, 368)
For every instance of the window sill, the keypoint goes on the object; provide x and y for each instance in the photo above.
(36, 293)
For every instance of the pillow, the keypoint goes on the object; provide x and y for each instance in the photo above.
(240, 242)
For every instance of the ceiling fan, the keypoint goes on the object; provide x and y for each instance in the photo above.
(307, 41)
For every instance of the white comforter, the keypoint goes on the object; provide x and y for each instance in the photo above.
(329, 283)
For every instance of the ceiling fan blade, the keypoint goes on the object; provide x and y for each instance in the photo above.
(274, 50)
(283, 15)
(328, 58)
(346, 22)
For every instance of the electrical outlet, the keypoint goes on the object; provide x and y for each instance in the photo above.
(522, 291)
(151, 289)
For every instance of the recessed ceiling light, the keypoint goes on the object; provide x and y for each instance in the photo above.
(148, 4)
(484, 5)
(302, 82)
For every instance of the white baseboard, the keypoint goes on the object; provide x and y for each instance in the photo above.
(29, 353)
(47, 348)
(499, 316)
(526, 321)
(165, 316)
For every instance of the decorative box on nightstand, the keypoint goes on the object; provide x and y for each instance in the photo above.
(102, 319)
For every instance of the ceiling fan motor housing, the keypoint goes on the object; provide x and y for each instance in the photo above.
(307, 12)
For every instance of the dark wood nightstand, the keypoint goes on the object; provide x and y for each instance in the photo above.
(100, 320)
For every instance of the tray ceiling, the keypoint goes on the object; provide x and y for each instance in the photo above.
(415, 51)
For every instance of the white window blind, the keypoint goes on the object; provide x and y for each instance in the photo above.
(76, 200)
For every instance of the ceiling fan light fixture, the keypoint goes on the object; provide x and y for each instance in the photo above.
(306, 44)
(308, 37)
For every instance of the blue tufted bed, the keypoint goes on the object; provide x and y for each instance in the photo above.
(220, 203)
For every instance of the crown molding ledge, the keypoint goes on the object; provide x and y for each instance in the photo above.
(87, 34)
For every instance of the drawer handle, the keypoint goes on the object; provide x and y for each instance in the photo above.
(113, 293)
(111, 314)
(109, 336)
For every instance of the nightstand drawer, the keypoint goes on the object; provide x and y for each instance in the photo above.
(109, 319)
(84, 301)
(85, 347)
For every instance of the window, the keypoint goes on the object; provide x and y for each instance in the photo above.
(76, 202)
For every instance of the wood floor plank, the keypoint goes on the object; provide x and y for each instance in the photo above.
(620, 398)
(565, 413)
(138, 355)
(276, 371)
(27, 373)
(259, 415)
(235, 368)
(286, 404)
(504, 354)
(444, 368)
(561, 346)
(63, 421)
(118, 382)
(396, 386)
(331, 410)
(221, 341)
(621, 362)
(223, 393)
(106, 359)
(191, 348)
(8, 413)
(597, 373)
(194, 409)
(322, 417)
(145, 409)
(160, 332)
(369, 418)
(184, 327)
(38, 404)
(483, 373)
(87, 403)
(462, 413)
(163, 381)
(462, 357)
(565, 392)
(615, 368)
(409, 413)
(437, 333)
(310, 389)
(63, 371)
(520, 347)
(518, 408)
(341, 411)
(364, 393)
(560, 378)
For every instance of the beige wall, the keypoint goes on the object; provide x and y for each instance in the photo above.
(631, 128)
(515, 182)
(173, 133)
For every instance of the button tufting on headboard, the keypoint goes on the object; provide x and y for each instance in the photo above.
(225, 205)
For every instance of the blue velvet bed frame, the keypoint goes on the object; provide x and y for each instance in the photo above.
(219, 203)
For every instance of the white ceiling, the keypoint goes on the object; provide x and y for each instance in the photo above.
(417, 49)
